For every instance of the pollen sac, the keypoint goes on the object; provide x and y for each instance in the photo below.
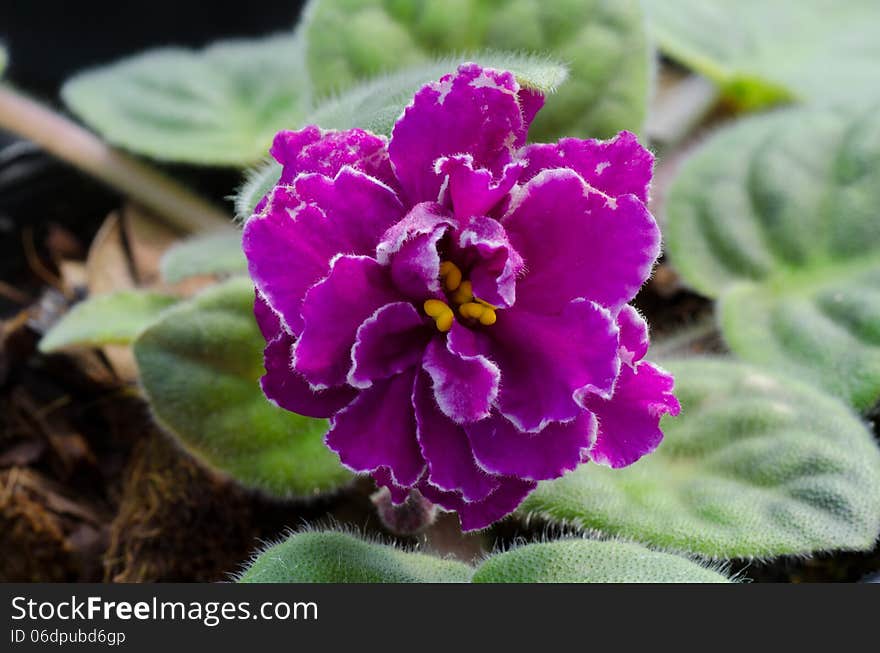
(451, 275)
(442, 314)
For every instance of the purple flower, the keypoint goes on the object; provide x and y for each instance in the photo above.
(456, 301)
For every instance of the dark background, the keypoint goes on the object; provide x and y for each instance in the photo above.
(49, 40)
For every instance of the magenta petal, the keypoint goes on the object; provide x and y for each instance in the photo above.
(468, 342)
(358, 205)
(472, 111)
(474, 191)
(493, 262)
(281, 384)
(446, 449)
(267, 320)
(629, 423)
(289, 390)
(501, 448)
(619, 166)
(480, 514)
(548, 362)
(464, 386)
(311, 150)
(531, 101)
(378, 429)
(577, 242)
(633, 335)
(410, 248)
(333, 311)
(382, 477)
(390, 341)
(287, 255)
(290, 246)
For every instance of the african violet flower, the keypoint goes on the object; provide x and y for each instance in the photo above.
(457, 301)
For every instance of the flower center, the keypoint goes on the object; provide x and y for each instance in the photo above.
(461, 295)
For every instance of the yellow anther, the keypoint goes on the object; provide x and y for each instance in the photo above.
(461, 294)
(442, 314)
(488, 317)
(471, 310)
(435, 307)
(444, 322)
(451, 275)
(464, 294)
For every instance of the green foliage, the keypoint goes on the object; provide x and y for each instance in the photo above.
(116, 318)
(4, 59)
(763, 52)
(777, 217)
(257, 183)
(375, 105)
(200, 366)
(212, 254)
(333, 557)
(604, 42)
(591, 561)
(756, 465)
(218, 106)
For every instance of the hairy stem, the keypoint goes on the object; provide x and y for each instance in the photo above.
(142, 183)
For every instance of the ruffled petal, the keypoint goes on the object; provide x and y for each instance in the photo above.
(267, 320)
(618, 166)
(493, 263)
(326, 152)
(501, 448)
(378, 429)
(473, 111)
(530, 101)
(289, 247)
(333, 310)
(382, 477)
(390, 341)
(445, 447)
(474, 191)
(464, 386)
(480, 514)
(634, 339)
(579, 243)
(629, 423)
(410, 249)
(287, 255)
(548, 362)
(360, 206)
(283, 386)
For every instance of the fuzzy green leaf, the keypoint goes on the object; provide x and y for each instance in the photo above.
(764, 52)
(212, 254)
(333, 557)
(377, 104)
(218, 106)
(4, 60)
(778, 218)
(116, 318)
(591, 561)
(258, 182)
(604, 42)
(756, 465)
(200, 366)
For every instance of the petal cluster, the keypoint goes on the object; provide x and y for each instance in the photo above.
(456, 301)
